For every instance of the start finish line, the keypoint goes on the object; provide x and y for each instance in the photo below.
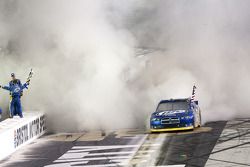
(17, 132)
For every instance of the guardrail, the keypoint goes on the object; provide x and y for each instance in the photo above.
(17, 132)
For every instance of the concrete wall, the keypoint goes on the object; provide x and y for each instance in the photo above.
(17, 132)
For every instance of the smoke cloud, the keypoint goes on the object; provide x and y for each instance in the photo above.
(105, 64)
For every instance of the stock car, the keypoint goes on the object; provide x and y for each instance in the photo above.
(175, 115)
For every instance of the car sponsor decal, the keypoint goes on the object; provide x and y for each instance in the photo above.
(165, 113)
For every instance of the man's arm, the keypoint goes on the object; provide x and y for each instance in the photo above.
(5, 87)
(25, 85)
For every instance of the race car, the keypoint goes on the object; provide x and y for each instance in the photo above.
(175, 115)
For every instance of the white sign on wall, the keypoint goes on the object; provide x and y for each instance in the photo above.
(16, 132)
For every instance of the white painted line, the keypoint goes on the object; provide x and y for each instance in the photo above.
(170, 166)
(136, 149)
(111, 153)
(94, 159)
(82, 155)
(104, 165)
(113, 146)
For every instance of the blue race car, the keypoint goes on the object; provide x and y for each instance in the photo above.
(176, 114)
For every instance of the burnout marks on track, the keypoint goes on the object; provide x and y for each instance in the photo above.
(70, 137)
(129, 133)
(133, 146)
(140, 149)
(192, 147)
(141, 153)
(65, 137)
(153, 145)
(93, 136)
(100, 148)
(196, 130)
(233, 146)
(124, 133)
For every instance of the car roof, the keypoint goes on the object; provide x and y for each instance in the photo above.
(175, 100)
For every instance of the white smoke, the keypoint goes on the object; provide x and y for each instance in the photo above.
(79, 57)
(208, 40)
(89, 75)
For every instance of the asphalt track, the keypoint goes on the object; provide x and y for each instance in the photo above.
(233, 147)
(132, 147)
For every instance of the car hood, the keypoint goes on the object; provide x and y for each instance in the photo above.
(169, 113)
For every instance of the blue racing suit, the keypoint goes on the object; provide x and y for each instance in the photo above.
(16, 90)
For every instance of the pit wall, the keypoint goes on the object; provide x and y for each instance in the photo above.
(17, 132)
